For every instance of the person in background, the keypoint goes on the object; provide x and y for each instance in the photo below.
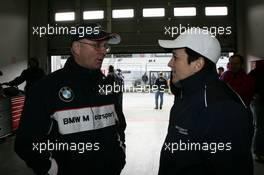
(119, 73)
(111, 73)
(258, 110)
(117, 84)
(31, 75)
(210, 129)
(228, 66)
(153, 79)
(121, 82)
(145, 78)
(220, 71)
(161, 84)
(238, 79)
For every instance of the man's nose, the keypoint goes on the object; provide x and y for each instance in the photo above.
(104, 50)
(170, 63)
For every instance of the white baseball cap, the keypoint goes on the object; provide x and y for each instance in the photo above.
(197, 39)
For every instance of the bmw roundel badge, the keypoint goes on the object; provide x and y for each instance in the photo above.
(66, 94)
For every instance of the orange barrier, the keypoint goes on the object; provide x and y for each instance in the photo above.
(17, 104)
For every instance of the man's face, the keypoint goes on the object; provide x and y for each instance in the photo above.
(220, 71)
(89, 54)
(179, 65)
(235, 64)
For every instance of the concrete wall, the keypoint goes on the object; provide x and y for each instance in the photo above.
(250, 27)
(38, 17)
(255, 29)
(14, 38)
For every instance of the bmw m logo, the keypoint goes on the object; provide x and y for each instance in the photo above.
(66, 94)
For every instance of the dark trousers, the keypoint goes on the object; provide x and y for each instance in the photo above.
(157, 95)
(258, 113)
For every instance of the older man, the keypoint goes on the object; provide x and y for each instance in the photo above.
(210, 129)
(69, 125)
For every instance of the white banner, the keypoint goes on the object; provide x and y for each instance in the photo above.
(85, 119)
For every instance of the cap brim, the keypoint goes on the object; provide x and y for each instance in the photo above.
(171, 44)
(113, 38)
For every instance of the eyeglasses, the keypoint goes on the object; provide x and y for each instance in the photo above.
(97, 46)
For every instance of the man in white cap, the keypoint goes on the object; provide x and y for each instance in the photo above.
(210, 128)
(69, 125)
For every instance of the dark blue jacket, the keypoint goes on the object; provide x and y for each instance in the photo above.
(210, 130)
(69, 107)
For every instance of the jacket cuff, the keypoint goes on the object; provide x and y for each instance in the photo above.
(53, 167)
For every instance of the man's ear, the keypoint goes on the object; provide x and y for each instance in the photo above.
(75, 49)
(198, 64)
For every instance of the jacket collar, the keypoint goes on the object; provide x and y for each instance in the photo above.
(197, 82)
(73, 67)
(83, 75)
